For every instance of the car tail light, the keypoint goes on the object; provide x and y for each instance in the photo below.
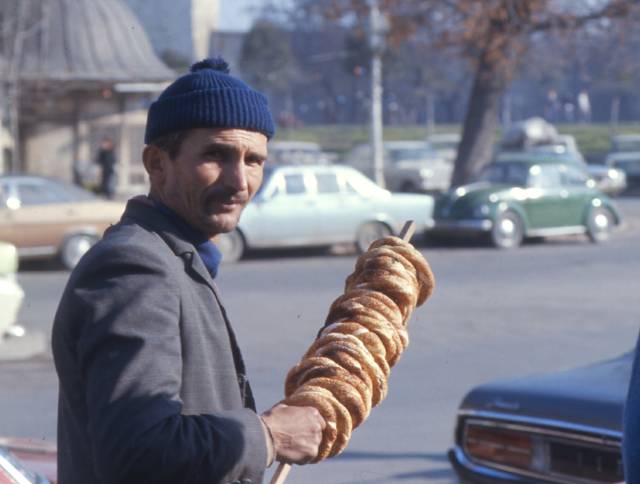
(502, 446)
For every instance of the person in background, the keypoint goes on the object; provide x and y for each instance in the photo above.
(106, 159)
(152, 382)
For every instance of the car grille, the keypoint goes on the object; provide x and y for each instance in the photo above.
(544, 453)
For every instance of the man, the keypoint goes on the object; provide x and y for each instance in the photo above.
(152, 382)
(107, 160)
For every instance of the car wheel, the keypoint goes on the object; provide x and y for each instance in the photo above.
(74, 247)
(231, 245)
(508, 230)
(369, 232)
(599, 224)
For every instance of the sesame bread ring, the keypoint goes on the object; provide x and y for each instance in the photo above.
(388, 335)
(352, 310)
(336, 372)
(423, 271)
(313, 398)
(347, 395)
(292, 381)
(396, 289)
(344, 425)
(384, 252)
(353, 366)
(379, 386)
(331, 337)
(371, 299)
(370, 340)
(388, 265)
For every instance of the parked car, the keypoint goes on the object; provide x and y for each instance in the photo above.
(317, 205)
(46, 218)
(609, 178)
(298, 152)
(445, 145)
(628, 162)
(625, 143)
(11, 294)
(27, 461)
(563, 427)
(409, 166)
(527, 195)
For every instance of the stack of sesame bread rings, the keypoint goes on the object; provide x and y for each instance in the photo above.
(344, 372)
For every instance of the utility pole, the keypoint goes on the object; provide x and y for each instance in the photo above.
(377, 31)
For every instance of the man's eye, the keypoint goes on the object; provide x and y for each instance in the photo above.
(254, 161)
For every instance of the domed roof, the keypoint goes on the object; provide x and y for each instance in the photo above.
(89, 40)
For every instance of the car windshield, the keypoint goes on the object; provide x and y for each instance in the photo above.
(505, 173)
(626, 144)
(404, 154)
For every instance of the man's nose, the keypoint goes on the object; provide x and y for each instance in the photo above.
(235, 175)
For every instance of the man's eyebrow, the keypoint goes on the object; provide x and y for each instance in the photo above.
(230, 147)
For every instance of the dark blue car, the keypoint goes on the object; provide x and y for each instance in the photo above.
(563, 427)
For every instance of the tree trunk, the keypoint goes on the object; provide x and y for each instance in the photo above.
(481, 119)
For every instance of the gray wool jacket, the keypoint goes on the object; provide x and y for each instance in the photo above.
(152, 385)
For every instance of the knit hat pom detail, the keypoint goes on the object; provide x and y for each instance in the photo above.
(217, 64)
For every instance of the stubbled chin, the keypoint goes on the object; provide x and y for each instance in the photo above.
(221, 222)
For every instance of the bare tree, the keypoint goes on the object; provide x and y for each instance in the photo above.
(19, 19)
(492, 34)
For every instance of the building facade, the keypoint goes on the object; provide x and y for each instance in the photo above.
(85, 71)
(179, 30)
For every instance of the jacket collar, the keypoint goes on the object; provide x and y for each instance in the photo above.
(142, 210)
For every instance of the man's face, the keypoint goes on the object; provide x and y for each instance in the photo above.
(213, 177)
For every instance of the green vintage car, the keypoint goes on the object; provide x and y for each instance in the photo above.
(527, 195)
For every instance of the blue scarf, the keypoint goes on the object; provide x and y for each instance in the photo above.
(207, 250)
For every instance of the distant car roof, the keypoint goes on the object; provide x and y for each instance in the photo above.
(534, 157)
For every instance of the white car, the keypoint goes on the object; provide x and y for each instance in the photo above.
(321, 205)
(11, 294)
(409, 166)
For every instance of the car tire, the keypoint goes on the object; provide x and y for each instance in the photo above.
(599, 224)
(232, 246)
(74, 247)
(507, 231)
(369, 232)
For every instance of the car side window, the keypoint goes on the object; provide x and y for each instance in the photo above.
(545, 176)
(574, 176)
(294, 184)
(36, 194)
(327, 183)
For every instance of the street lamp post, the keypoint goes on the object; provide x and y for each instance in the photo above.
(377, 30)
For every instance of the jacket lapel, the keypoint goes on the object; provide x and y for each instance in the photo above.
(141, 209)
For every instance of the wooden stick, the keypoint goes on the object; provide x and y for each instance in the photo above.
(408, 229)
(281, 473)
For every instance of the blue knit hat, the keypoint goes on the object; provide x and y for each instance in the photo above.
(208, 97)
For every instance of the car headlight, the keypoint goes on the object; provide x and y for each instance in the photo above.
(481, 210)
(613, 174)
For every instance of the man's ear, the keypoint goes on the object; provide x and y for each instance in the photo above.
(154, 160)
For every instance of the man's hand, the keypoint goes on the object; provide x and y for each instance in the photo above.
(296, 432)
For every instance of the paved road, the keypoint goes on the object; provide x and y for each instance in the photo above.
(495, 314)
